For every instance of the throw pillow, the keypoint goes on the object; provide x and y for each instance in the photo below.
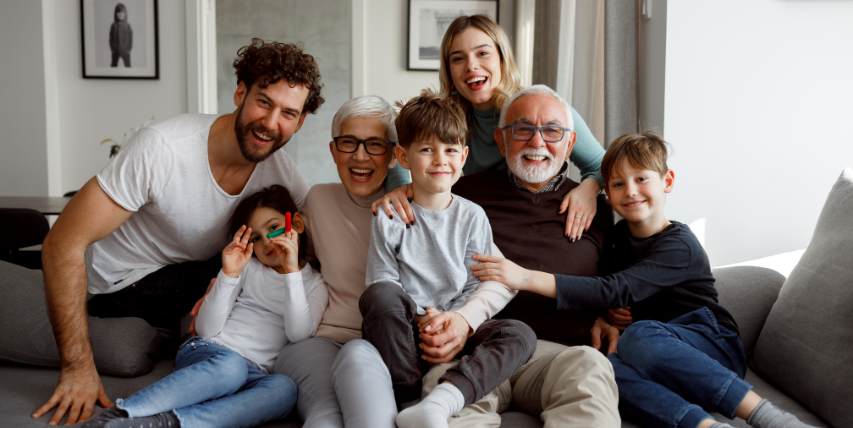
(805, 348)
(122, 346)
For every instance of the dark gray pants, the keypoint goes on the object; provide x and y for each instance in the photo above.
(490, 356)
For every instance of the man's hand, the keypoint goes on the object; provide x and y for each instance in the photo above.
(90, 216)
(444, 336)
(76, 391)
(620, 318)
(602, 331)
(197, 305)
(398, 197)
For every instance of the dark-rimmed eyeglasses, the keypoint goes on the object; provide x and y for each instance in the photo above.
(551, 134)
(373, 146)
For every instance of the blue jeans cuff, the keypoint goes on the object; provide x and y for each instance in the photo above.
(693, 418)
(732, 398)
(130, 412)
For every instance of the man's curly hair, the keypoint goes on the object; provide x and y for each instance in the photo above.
(267, 63)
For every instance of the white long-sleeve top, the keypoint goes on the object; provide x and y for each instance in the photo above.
(261, 311)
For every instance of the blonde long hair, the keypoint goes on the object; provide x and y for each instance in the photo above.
(510, 77)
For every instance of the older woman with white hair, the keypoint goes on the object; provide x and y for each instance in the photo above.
(339, 216)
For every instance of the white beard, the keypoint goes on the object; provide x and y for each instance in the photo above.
(535, 174)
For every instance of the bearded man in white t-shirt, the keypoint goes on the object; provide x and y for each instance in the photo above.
(142, 234)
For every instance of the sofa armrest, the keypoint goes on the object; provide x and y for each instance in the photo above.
(748, 292)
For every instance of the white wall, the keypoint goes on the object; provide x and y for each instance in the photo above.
(322, 27)
(23, 135)
(91, 110)
(757, 107)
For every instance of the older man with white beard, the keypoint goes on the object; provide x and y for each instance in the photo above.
(567, 386)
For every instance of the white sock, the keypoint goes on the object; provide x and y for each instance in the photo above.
(443, 402)
(721, 425)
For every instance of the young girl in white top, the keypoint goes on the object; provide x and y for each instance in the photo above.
(256, 306)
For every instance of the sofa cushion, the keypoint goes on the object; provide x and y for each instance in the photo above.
(122, 346)
(805, 347)
(748, 292)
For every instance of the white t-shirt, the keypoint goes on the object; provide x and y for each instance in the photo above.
(162, 174)
(262, 311)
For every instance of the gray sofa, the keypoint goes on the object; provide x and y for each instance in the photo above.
(748, 292)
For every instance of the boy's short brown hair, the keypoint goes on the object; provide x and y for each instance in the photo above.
(266, 63)
(430, 114)
(643, 151)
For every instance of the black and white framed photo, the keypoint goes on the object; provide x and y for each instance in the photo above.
(120, 39)
(429, 19)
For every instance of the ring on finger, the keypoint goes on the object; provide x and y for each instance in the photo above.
(577, 216)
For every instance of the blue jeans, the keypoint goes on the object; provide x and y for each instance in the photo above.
(672, 374)
(214, 386)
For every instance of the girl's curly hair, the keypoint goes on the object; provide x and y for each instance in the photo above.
(266, 63)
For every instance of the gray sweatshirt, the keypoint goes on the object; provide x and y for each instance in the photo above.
(432, 259)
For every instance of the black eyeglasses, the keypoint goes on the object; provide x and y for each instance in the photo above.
(551, 134)
(373, 145)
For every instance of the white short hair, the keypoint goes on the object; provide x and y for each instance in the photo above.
(537, 90)
(366, 106)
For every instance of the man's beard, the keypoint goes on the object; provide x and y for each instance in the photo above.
(242, 139)
(535, 174)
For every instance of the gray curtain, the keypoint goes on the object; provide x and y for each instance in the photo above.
(621, 50)
(587, 51)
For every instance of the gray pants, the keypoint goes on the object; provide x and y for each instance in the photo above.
(339, 385)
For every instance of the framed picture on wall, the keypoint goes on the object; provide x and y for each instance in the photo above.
(120, 39)
(429, 19)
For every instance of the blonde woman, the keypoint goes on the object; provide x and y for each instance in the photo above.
(478, 69)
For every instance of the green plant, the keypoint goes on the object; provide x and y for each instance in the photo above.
(115, 147)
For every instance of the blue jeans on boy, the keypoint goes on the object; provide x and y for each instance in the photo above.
(672, 374)
(214, 386)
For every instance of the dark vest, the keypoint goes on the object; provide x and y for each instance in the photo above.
(528, 231)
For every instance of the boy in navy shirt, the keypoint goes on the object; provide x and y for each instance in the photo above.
(682, 357)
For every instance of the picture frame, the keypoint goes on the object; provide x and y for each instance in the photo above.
(429, 19)
(120, 39)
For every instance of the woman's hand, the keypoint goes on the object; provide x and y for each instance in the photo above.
(620, 318)
(287, 249)
(493, 268)
(237, 254)
(581, 203)
(400, 198)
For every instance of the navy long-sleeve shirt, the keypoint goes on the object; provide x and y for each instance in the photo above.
(661, 277)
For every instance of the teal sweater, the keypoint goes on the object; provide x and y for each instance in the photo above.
(484, 153)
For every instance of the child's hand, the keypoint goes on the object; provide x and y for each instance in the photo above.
(237, 254)
(493, 268)
(603, 333)
(423, 320)
(287, 249)
(620, 318)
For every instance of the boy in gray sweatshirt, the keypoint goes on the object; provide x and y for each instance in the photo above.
(418, 270)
